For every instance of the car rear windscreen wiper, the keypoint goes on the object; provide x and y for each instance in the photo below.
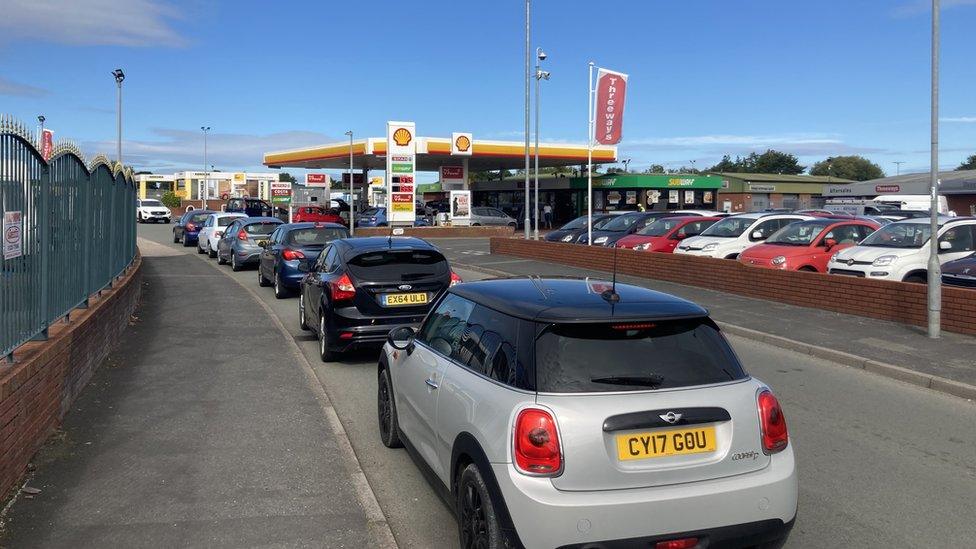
(414, 276)
(644, 381)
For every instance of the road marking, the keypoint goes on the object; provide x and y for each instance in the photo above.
(503, 262)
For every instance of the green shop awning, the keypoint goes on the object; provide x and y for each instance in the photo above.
(650, 181)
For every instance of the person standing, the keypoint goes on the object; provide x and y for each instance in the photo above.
(547, 215)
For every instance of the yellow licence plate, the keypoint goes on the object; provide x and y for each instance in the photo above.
(398, 300)
(666, 443)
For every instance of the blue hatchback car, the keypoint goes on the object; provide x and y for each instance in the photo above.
(291, 245)
(187, 227)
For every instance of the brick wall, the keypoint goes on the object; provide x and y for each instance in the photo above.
(441, 232)
(38, 389)
(895, 301)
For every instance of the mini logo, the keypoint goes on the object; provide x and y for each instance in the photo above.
(402, 137)
(671, 417)
(405, 287)
(462, 143)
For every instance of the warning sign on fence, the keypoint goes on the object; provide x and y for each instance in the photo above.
(13, 237)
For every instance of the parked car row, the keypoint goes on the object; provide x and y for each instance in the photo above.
(807, 240)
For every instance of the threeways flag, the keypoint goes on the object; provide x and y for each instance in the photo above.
(611, 90)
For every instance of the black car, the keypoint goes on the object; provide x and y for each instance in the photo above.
(187, 227)
(253, 207)
(571, 231)
(623, 225)
(961, 272)
(361, 288)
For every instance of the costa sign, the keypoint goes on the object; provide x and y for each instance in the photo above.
(611, 92)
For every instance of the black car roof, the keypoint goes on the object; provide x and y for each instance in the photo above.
(310, 225)
(573, 300)
(349, 247)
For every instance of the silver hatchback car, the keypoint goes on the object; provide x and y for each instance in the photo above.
(578, 413)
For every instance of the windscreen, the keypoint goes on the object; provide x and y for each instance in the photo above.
(597, 225)
(315, 236)
(199, 218)
(584, 358)
(661, 227)
(899, 235)
(398, 265)
(730, 227)
(797, 234)
(621, 223)
(151, 203)
(224, 221)
(260, 229)
(577, 223)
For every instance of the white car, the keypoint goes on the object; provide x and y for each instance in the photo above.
(152, 210)
(212, 230)
(727, 238)
(900, 250)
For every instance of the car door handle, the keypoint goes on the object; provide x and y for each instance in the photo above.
(431, 383)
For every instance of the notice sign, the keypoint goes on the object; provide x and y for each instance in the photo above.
(460, 207)
(280, 192)
(452, 178)
(400, 171)
(13, 235)
(611, 90)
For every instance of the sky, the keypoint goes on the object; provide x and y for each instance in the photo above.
(707, 77)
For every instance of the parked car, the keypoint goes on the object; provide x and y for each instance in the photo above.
(728, 237)
(664, 234)
(621, 226)
(900, 251)
(529, 403)
(571, 231)
(212, 230)
(242, 241)
(152, 210)
(960, 272)
(360, 288)
(317, 214)
(252, 207)
(483, 215)
(290, 247)
(807, 245)
(372, 217)
(188, 226)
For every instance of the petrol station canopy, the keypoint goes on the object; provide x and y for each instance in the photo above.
(433, 152)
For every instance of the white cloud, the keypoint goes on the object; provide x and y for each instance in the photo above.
(719, 144)
(91, 22)
(18, 89)
(963, 119)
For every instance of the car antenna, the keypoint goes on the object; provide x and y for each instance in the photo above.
(611, 296)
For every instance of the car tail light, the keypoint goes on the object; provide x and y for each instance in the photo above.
(455, 279)
(290, 255)
(772, 424)
(191, 227)
(242, 235)
(683, 543)
(536, 447)
(343, 289)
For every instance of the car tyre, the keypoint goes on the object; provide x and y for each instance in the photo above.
(386, 411)
(199, 249)
(733, 257)
(211, 252)
(220, 260)
(234, 264)
(263, 282)
(279, 288)
(513, 225)
(478, 524)
(916, 279)
(325, 353)
(176, 239)
(302, 323)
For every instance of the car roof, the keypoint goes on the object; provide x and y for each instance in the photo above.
(943, 220)
(574, 300)
(228, 214)
(311, 225)
(261, 219)
(358, 245)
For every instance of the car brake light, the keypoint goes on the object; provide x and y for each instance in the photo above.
(455, 279)
(191, 227)
(343, 289)
(684, 543)
(635, 326)
(290, 255)
(536, 447)
(772, 424)
(242, 235)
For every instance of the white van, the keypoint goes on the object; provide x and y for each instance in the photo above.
(912, 202)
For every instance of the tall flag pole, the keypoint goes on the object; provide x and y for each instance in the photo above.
(589, 159)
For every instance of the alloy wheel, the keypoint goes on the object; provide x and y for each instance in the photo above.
(474, 524)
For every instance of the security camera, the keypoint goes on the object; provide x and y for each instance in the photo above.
(542, 55)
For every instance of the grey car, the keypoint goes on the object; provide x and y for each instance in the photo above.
(580, 413)
(482, 215)
(240, 244)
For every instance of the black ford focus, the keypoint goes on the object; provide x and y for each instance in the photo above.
(361, 288)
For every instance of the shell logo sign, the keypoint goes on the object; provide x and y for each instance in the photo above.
(461, 144)
(402, 137)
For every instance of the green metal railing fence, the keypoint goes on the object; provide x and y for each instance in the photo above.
(69, 231)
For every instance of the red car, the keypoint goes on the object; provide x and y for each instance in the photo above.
(316, 214)
(664, 234)
(807, 245)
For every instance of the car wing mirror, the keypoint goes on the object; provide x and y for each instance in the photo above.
(830, 243)
(757, 235)
(945, 245)
(401, 338)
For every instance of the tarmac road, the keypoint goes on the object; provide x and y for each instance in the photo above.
(882, 463)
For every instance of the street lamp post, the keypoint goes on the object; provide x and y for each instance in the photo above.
(352, 197)
(119, 77)
(934, 267)
(206, 174)
(627, 165)
(539, 75)
(528, 18)
(898, 164)
(692, 166)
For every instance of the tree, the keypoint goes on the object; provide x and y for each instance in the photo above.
(654, 168)
(969, 164)
(853, 167)
(726, 165)
(768, 162)
(615, 170)
(170, 200)
(286, 177)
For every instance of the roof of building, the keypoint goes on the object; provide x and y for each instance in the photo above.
(950, 182)
(784, 178)
(575, 300)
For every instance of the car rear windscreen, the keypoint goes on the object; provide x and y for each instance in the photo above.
(317, 236)
(634, 356)
(260, 228)
(224, 221)
(199, 218)
(398, 265)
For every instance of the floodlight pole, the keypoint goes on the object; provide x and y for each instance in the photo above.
(119, 77)
(539, 75)
(352, 200)
(206, 174)
(934, 268)
(589, 159)
(528, 14)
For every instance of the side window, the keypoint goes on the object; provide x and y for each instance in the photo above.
(445, 326)
(329, 260)
(845, 234)
(959, 238)
(765, 228)
(274, 236)
(489, 346)
(232, 229)
(497, 213)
